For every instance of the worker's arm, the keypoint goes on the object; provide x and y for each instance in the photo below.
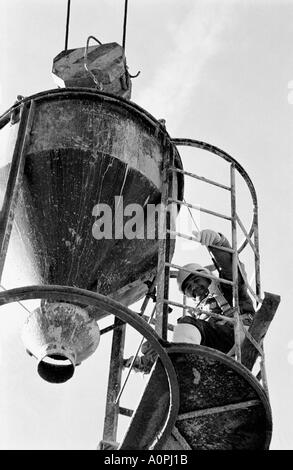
(224, 264)
(223, 258)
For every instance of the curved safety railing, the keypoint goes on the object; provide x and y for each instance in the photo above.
(251, 240)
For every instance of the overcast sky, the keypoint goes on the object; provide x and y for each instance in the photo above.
(219, 71)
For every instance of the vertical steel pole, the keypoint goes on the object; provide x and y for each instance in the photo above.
(161, 325)
(256, 256)
(169, 226)
(237, 326)
(114, 382)
(184, 304)
(264, 373)
(15, 180)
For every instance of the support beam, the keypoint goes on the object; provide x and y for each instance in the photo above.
(125, 411)
(114, 383)
(178, 436)
(163, 268)
(259, 327)
(14, 180)
(218, 409)
(201, 178)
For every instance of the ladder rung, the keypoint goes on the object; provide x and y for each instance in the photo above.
(217, 279)
(209, 314)
(254, 342)
(218, 409)
(201, 178)
(201, 209)
(153, 322)
(189, 237)
(125, 411)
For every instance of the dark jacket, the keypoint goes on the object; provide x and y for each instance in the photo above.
(224, 264)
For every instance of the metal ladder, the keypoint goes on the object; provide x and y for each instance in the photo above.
(163, 302)
(164, 262)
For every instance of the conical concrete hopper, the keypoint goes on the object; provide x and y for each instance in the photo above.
(84, 149)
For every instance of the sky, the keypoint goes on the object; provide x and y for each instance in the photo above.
(220, 71)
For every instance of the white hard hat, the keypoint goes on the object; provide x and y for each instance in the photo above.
(183, 275)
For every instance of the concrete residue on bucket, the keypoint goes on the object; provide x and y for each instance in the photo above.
(60, 336)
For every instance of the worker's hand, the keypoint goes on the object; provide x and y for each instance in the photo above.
(207, 237)
(194, 311)
(147, 350)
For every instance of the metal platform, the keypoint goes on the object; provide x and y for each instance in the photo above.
(222, 406)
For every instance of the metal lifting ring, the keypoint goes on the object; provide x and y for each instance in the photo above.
(101, 302)
(99, 85)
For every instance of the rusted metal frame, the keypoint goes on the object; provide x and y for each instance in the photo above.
(221, 153)
(180, 439)
(145, 317)
(200, 209)
(257, 256)
(202, 274)
(142, 310)
(125, 411)
(210, 314)
(184, 305)
(19, 303)
(237, 324)
(241, 225)
(169, 220)
(132, 362)
(256, 297)
(261, 322)
(114, 382)
(190, 237)
(5, 119)
(173, 274)
(161, 273)
(263, 371)
(253, 341)
(264, 376)
(231, 352)
(103, 303)
(108, 445)
(107, 329)
(147, 298)
(201, 178)
(218, 409)
(153, 322)
(162, 279)
(14, 180)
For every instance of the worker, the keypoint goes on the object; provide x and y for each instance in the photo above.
(212, 296)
